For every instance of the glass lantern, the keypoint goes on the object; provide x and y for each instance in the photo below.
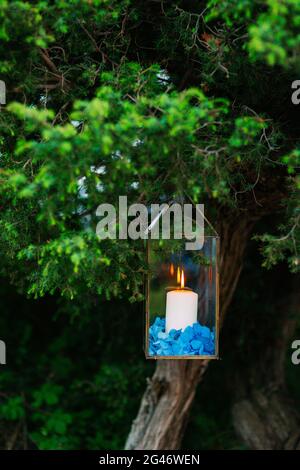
(182, 300)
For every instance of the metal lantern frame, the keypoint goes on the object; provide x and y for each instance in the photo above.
(216, 312)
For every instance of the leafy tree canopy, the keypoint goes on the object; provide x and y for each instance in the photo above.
(145, 99)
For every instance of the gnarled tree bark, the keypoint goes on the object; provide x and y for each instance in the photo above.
(264, 415)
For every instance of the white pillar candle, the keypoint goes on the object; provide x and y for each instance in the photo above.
(181, 309)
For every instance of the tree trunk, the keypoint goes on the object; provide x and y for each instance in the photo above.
(264, 415)
(167, 401)
(266, 420)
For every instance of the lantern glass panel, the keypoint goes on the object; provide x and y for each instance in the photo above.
(182, 307)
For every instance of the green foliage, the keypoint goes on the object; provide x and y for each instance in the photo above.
(284, 246)
(272, 27)
(275, 37)
(70, 386)
(13, 409)
(231, 11)
(292, 160)
(97, 116)
(65, 173)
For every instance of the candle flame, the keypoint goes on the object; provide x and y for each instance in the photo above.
(182, 280)
(178, 275)
(172, 269)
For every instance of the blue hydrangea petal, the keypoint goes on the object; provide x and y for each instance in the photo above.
(197, 328)
(162, 335)
(174, 333)
(205, 332)
(194, 340)
(196, 344)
